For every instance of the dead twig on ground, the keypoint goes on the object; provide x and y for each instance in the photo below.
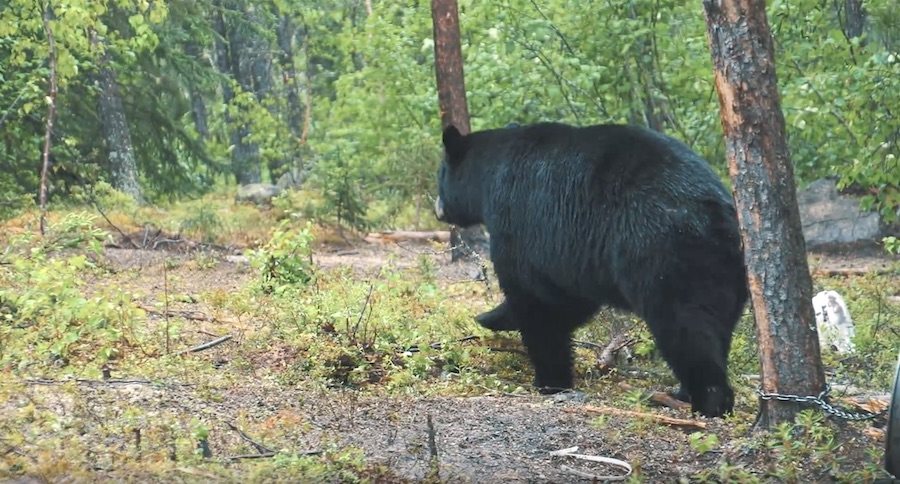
(262, 449)
(408, 236)
(186, 314)
(660, 398)
(267, 455)
(432, 449)
(500, 349)
(264, 455)
(205, 346)
(438, 346)
(607, 359)
(111, 381)
(661, 419)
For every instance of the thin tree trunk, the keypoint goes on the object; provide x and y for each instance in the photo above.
(51, 113)
(452, 101)
(854, 18)
(245, 162)
(765, 196)
(198, 105)
(307, 111)
(116, 134)
(286, 35)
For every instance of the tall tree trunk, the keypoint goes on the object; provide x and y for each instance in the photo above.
(854, 18)
(765, 195)
(451, 89)
(245, 159)
(116, 134)
(51, 113)
(286, 35)
(198, 105)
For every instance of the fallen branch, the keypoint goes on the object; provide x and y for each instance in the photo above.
(186, 314)
(111, 381)
(407, 236)
(660, 398)
(267, 455)
(205, 346)
(262, 449)
(500, 349)
(438, 346)
(607, 359)
(850, 271)
(264, 455)
(661, 419)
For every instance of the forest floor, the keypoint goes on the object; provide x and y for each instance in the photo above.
(253, 409)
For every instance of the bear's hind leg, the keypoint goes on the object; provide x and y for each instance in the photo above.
(695, 345)
(498, 319)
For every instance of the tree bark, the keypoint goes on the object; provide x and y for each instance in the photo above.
(116, 134)
(854, 18)
(451, 89)
(198, 105)
(765, 195)
(245, 157)
(286, 35)
(51, 113)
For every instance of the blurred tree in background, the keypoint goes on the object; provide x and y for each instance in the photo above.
(223, 91)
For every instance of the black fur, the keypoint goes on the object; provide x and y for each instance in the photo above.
(603, 215)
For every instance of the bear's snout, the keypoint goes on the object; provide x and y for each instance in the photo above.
(439, 208)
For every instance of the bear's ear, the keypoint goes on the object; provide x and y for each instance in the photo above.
(454, 143)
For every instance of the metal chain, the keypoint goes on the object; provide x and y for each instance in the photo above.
(819, 400)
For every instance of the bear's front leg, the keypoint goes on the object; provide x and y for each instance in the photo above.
(498, 319)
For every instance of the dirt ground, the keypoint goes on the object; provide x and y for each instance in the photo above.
(500, 437)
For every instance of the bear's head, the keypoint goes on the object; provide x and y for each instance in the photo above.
(459, 182)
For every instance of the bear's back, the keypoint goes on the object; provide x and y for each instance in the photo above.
(573, 203)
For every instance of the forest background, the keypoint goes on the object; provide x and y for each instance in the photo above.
(170, 100)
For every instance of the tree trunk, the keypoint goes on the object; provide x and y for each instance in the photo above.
(765, 195)
(116, 134)
(51, 113)
(451, 89)
(245, 159)
(854, 18)
(198, 105)
(286, 35)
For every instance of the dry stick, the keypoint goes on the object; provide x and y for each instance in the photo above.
(51, 112)
(497, 349)
(188, 314)
(108, 221)
(432, 448)
(438, 346)
(607, 359)
(262, 449)
(205, 346)
(267, 455)
(662, 419)
(111, 381)
(661, 398)
(166, 301)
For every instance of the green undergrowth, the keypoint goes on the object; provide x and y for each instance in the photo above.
(394, 330)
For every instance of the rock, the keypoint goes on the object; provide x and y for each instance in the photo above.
(258, 193)
(833, 322)
(292, 179)
(830, 218)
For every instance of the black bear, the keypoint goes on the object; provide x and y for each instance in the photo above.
(614, 215)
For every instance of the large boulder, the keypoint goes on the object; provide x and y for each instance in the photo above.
(830, 218)
(257, 193)
(292, 179)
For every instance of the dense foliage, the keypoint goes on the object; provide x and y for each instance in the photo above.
(238, 90)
